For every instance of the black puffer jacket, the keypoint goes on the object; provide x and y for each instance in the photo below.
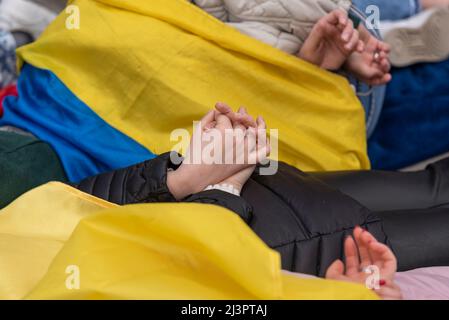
(294, 213)
(305, 217)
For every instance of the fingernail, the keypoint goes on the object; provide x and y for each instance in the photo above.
(382, 282)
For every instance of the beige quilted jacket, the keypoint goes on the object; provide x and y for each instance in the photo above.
(284, 24)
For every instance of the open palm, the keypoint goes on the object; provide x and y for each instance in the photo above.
(371, 65)
(363, 252)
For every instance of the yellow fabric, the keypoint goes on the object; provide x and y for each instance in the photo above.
(33, 230)
(149, 67)
(151, 251)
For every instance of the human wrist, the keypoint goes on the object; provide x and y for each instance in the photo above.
(178, 184)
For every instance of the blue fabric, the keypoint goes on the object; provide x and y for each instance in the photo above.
(372, 103)
(390, 9)
(372, 98)
(414, 124)
(85, 143)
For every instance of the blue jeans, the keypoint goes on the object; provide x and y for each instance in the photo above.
(7, 59)
(390, 9)
(372, 103)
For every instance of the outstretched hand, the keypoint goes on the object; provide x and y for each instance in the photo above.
(362, 252)
(370, 66)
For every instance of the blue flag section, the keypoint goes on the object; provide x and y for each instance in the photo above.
(85, 143)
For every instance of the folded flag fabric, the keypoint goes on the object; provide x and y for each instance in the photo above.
(34, 228)
(146, 68)
(70, 245)
(8, 91)
(85, 143)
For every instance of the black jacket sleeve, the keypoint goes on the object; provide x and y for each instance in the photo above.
(226, 200)
(147, 182)
(142, 183)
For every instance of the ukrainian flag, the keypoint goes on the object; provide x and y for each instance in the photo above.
(109, 93)
(79, 247)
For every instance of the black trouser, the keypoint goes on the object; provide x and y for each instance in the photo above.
(414, 207)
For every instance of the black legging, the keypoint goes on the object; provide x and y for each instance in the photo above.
(413, 205)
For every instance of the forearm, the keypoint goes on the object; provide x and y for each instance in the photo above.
(141, 183)
(158, 180)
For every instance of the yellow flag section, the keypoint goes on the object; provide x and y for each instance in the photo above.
(149, 67)
(33, 229)
(59, 243)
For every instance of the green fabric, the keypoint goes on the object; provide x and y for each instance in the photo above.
(25, 163)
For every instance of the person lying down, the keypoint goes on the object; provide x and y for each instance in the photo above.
(318, 32)
(163, 180)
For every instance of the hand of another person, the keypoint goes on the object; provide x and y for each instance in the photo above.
(332, 40)
(370, 66)
(258, 134)
(364, 251)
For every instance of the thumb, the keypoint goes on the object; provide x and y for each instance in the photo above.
(336, 270)
(207, 120)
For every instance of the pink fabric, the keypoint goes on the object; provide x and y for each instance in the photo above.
(424, 283)
(418, 284)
